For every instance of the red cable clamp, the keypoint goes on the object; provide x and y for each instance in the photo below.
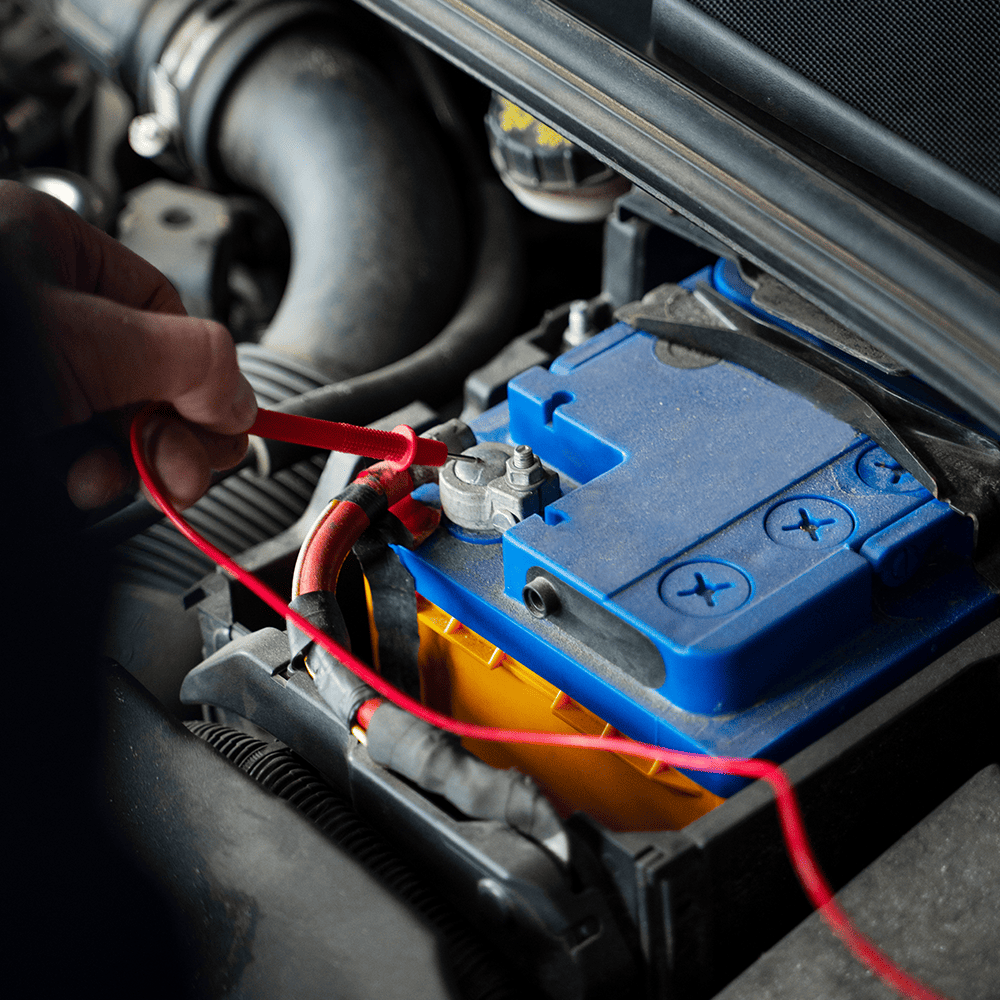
(400, 446)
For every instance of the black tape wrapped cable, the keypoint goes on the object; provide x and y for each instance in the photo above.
(434, 760)
(437, 762)
(339, 687)
(393, 603)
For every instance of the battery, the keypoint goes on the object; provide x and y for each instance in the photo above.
(730, 570)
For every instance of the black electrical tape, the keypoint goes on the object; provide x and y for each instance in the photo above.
(372, 501)
(394, 602)
(319, 608)
(438, 763)
(339, 687)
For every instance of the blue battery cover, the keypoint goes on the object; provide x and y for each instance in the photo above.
(740, 570)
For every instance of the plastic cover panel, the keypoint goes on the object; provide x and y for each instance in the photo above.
(928, 70)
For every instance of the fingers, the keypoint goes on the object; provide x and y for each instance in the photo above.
(99, 265)
(180, 460)
(109, 356)
(224, 451)
(118, 336)
(116, 325)
(183, 456)
(62, 248)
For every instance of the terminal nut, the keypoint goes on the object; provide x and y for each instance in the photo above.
(526, 488)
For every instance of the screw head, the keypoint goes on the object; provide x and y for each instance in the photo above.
(809, 523)
(705, 589)
(149, 135)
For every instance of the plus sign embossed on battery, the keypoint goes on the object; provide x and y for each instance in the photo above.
(809, 523)
(878, 469)
(812, 527)
(705, 588)
(896, 471)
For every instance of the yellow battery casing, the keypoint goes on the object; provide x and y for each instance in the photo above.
(469, 678)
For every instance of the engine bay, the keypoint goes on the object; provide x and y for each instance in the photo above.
(721, 478)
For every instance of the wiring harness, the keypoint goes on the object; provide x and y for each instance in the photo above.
(398, 450)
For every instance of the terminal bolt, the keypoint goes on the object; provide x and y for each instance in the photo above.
(526, 488)
(524, 469)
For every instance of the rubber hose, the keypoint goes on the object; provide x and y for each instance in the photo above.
(434, 373)
(280, 770)
(377, 247)
(270, 95)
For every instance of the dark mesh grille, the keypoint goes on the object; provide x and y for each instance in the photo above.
(928, 70)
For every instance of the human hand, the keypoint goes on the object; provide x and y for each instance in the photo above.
(116, 335)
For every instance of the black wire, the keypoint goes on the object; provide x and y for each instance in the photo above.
(139, 515)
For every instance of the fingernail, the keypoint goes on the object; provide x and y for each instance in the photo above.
(245, 404)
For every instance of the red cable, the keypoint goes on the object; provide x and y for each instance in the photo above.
(331, 540)
(793, 830)
(329, 546)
